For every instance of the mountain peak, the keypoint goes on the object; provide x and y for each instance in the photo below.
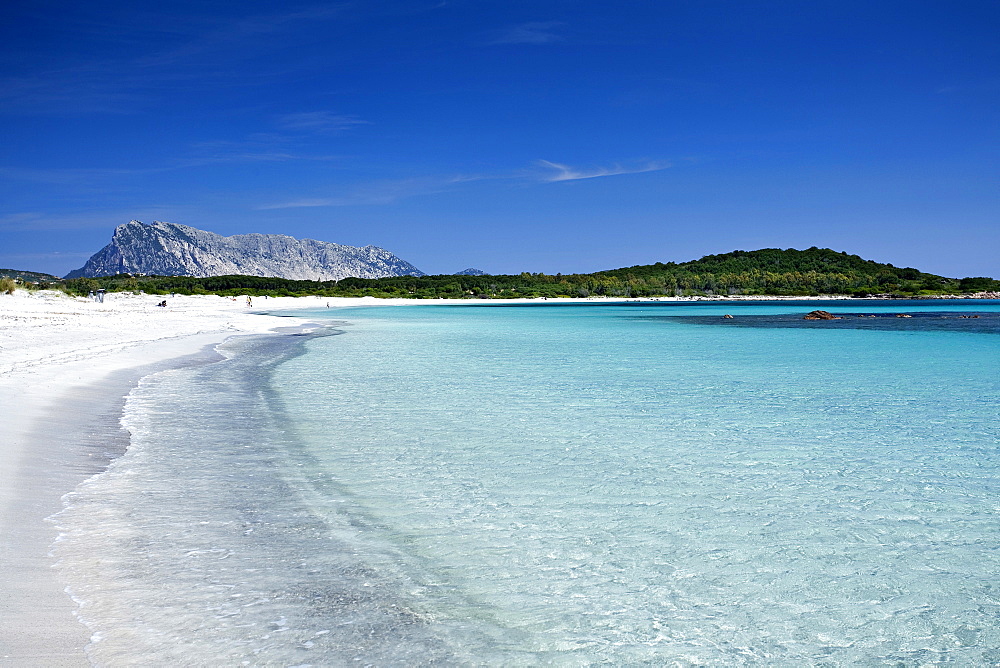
(171, 249)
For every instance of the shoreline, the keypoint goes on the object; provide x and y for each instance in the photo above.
(58, 441)
(66, 366)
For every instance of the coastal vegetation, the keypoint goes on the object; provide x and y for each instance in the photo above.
(29, 279)
(770, 271)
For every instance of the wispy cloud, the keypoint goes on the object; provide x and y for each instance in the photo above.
(302, 203)
(560, 172)
(66, 176)
(36, 221)
(981, 86)
(14, 258)
(324, 122)
(149, 54)
(258, 147)
(534, 32)
(392, 190)
(378, 192)
(20, 221)
(240, 37)
(72, 90)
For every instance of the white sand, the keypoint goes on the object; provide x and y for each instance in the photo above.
(65, 366)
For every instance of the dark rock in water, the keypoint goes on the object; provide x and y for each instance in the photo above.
(168, 249)
(820, 315)
(727, 317)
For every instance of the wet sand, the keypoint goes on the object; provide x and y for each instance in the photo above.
(55, 435)
(66, 366)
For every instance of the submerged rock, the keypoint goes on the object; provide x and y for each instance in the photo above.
(820, 315)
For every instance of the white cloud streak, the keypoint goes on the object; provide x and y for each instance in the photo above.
(324, 122)
(389, 191)
(566, 173)
(301, 204)
(379, 192)
(535, 32)
(36, 221)
(13, 258)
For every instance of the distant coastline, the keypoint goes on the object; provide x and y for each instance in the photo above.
(765, 273)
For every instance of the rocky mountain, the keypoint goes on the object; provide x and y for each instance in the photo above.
(168, 249)
(471, 271)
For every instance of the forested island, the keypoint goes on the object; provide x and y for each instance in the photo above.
(770, 271)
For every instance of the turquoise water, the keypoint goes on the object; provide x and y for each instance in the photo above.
(629, 484)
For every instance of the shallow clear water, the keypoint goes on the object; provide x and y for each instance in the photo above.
(623, 484)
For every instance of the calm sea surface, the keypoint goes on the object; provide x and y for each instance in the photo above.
(627, 484)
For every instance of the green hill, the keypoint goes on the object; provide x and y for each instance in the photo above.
(29, 276)
(769, 271)
(786, 272)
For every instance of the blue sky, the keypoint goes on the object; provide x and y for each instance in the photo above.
(549, 136)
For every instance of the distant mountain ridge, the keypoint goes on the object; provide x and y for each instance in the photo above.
(170, 249)
(30, 276)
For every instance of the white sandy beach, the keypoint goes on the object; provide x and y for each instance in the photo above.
(65, 366)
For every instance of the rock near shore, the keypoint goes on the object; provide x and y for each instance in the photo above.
(820, 315)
